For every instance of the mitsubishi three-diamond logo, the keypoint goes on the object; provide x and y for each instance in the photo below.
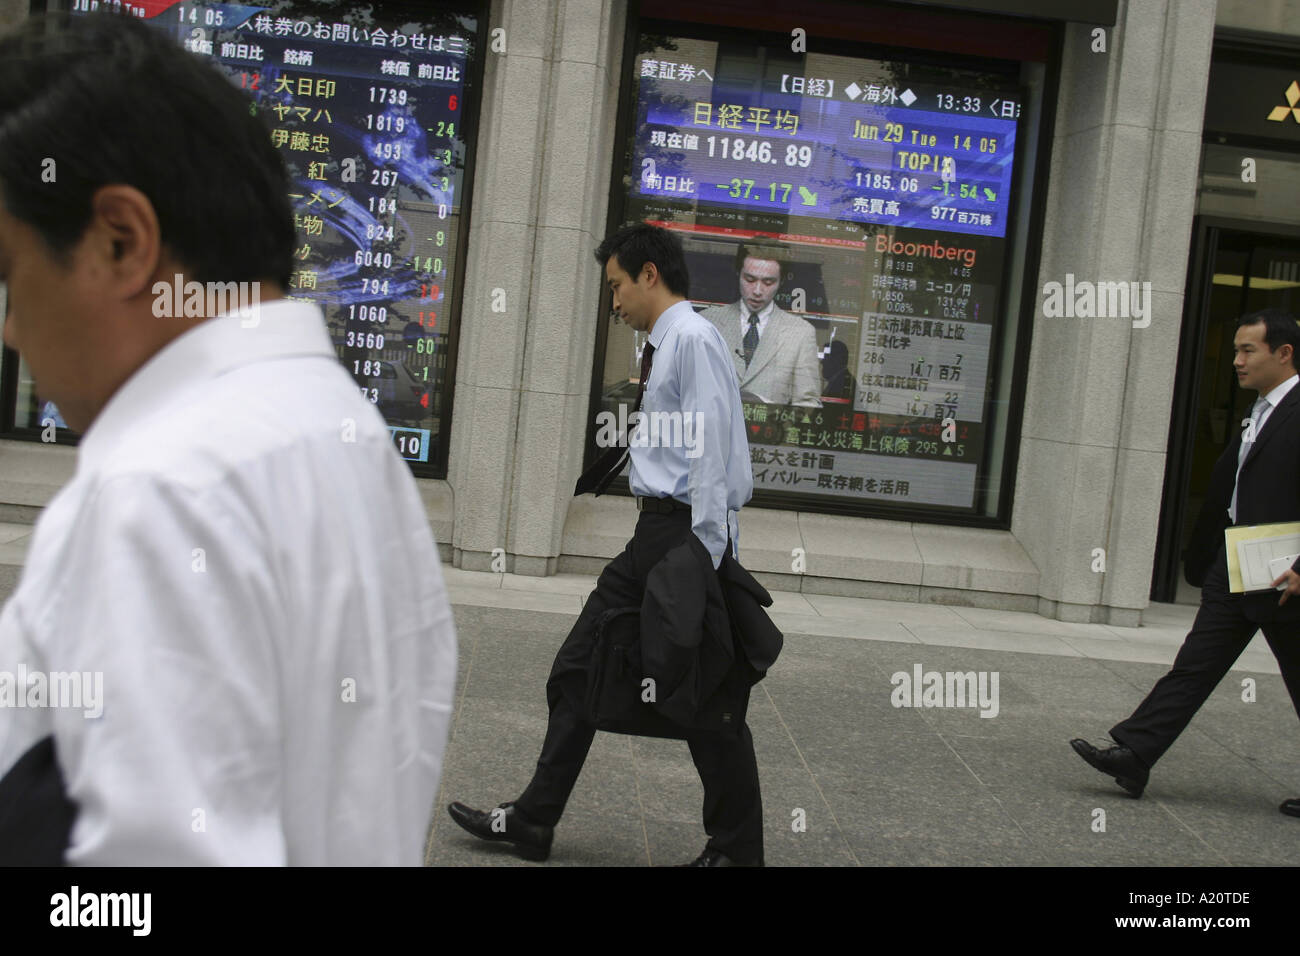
(1292, 95)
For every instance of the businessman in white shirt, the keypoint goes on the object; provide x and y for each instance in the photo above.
(231, 643)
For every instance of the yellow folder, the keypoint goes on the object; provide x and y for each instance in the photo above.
(1249, 549)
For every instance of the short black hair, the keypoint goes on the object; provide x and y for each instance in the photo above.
(114, 100)
(638, 244)
(753, 250)
(1280, 329)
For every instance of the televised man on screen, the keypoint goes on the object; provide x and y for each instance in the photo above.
(775, 353)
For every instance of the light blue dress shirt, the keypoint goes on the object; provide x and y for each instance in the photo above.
(690, 443)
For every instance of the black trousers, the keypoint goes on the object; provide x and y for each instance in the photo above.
(1217, 638)
(733, 809)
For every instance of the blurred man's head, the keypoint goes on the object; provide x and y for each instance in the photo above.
(760, 277)
(124, 160)
(1265, 348)
(645, 269)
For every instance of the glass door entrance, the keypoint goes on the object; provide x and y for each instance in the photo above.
(1235, 271)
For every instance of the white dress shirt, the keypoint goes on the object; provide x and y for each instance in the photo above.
(1272, 400)
(691, 374)
(244, 557)
(764, 314)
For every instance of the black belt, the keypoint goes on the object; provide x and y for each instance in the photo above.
(663, 506)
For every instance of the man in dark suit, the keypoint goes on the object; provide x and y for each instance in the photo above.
(1255, 481)
(685, 370)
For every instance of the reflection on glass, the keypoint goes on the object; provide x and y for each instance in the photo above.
(845, 222)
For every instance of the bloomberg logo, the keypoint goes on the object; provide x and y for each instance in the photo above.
(924, 250)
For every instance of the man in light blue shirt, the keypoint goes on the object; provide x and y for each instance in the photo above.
(690, 473)
(709, 470)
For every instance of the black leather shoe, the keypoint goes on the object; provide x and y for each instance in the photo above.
(712, 857)
(1291, 807)
(1118, 762)
(505, 824)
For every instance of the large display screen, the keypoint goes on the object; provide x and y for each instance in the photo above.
(372, 108)
(857, 210)
(872, 155)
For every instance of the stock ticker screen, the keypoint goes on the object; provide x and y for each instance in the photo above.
(886, 187)
(368, 105)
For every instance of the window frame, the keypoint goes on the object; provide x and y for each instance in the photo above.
(1020, 300)
(471, 107)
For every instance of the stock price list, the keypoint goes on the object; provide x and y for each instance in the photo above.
(370, 122)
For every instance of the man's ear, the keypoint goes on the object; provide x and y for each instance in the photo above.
(650, 274)
(125, 235)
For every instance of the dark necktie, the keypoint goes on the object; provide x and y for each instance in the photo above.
(606, 468)
(751, 338)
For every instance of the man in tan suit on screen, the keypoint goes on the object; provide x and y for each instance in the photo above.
(775, 353)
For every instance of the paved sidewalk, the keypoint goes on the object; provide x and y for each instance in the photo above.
(876, 784)
(879, 784)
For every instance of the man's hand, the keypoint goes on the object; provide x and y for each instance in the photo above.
(1292, 585)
